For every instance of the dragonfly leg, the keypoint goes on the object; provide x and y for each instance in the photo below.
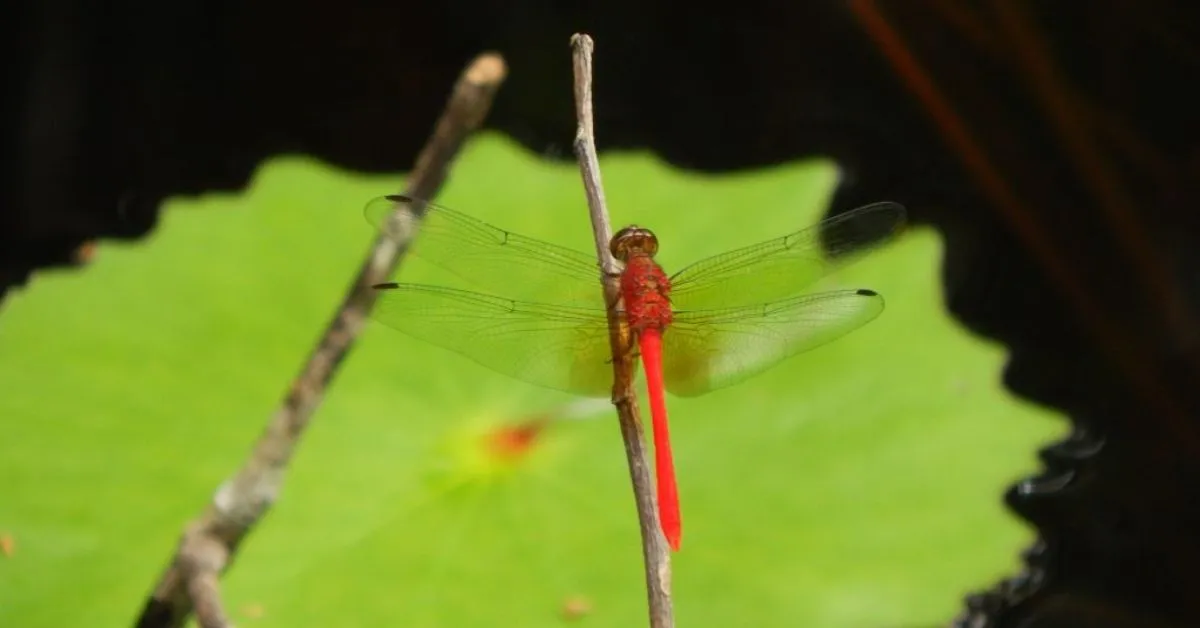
(631, 353)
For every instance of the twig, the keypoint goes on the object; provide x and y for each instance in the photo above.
(655, 554)
(201, 559)
(210, 542)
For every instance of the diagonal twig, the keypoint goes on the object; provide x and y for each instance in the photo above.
(656, 558)
(210, 542)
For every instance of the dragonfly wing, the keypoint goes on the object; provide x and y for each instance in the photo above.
(560, 347)
(706, 350)
(779, 268)
(487, 256)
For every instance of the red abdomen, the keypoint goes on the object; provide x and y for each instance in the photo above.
(645, 289)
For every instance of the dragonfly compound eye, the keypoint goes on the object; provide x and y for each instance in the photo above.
(633, 240)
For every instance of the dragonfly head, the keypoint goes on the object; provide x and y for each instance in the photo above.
(633, 241)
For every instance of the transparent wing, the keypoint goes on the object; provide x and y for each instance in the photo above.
(561, 347)
(487, 256)
(780, 268)
(711, 349)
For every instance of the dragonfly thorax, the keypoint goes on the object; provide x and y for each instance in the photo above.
(633, 241)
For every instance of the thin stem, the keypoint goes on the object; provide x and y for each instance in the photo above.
(655, 554)
(210, 542)
(200, 560)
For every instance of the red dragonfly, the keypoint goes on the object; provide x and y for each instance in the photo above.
(714, 323)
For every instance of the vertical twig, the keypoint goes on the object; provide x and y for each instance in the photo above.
(656, 557)
(208, 546)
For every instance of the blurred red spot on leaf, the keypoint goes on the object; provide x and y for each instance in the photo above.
(576, 607)
(514, 441)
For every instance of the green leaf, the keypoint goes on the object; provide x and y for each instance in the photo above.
(856, 485)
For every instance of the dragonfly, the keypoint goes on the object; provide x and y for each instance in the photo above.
(712, 324)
